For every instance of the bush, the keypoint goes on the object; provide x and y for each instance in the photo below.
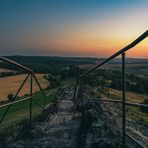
(54, 81)
(11, 97)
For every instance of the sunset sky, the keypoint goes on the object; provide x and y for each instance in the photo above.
(92, 28)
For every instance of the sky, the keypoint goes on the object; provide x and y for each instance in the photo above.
(90, 28)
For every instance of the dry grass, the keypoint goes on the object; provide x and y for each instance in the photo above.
(11, 85)
(130, 96)
(5, 70)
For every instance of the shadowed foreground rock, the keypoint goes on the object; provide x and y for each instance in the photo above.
(59, 131)
(93, 125)
(97, 127)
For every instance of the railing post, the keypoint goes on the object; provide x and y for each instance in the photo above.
(31, 86)
(80, 90)
(75, 91)
(123, 101)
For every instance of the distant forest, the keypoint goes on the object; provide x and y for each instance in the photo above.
(69, 67)
(47, 64)
(113, 79)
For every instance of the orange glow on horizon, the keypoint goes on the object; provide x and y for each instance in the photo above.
(98, 47)
(93, 29)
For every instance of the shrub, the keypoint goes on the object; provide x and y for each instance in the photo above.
(10, 97)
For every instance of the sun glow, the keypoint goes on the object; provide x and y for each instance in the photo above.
(85, 29)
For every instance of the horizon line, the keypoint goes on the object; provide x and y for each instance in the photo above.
(64, 56)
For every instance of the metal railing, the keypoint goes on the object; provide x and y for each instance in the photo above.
(32, 76)
(123, 101)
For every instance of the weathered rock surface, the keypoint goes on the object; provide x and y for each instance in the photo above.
(59, 131)
(93, 125)
(97, 127)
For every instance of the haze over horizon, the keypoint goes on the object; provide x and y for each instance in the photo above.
(90, 28)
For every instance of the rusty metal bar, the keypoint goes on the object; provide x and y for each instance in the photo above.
(31, 91)
(30, 72)
(81, 92)
(38, 84)
(134, 43)
(21, 86)
(14, 102)
(136, 104)
(75, 91)
(135, 141)
(40, 88)
(4, 115)
(2, 118)
(123, 101)
(15, 64)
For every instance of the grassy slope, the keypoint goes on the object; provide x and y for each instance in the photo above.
(130, 96)
(19, 113)
(133, 113)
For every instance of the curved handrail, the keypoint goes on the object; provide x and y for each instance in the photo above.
(30, 72)
(131, 45)
(24, 68)
(123, 50)
(15, 64)
(123, 101)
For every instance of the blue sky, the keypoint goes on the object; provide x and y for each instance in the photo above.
(56, 27)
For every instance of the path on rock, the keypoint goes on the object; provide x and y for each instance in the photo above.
(64, 110)
(93, 125)
(59, 131)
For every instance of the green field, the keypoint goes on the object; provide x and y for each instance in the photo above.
(18, 113)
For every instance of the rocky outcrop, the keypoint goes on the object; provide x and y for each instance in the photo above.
(59, 130)
(96, 130)
(92, 125)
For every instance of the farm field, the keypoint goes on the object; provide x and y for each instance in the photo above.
(5, 70)
(18, 113)
(12, 83)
